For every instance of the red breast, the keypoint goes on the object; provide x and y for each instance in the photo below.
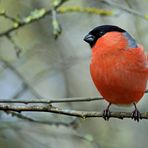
(118, 71)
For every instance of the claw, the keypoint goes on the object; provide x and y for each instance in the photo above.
(106, 113)
(136, 115)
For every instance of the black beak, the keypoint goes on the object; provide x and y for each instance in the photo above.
(90, 39)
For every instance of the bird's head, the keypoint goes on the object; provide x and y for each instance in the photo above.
(99, 31)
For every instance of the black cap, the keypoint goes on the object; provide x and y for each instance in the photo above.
(99, 31)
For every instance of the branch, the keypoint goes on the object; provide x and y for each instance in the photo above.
(47, 101)
(25, 82)
(52, 109)
(57, 29)
(16, 47)
(33, 17)
(38, 14)
(73, 123)
(90, 10)
(4, 14)
(128, 10)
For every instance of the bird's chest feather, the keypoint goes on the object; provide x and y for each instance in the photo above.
(115, 72)
(107, 68)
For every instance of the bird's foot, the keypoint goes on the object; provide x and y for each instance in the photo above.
(106, 113)
(136, 115)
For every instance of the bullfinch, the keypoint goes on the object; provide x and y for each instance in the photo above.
(119, 67)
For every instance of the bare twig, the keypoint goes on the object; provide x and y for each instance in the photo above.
(46, 101)
(72, 124)
(16, 47)
(52, 109)
(128, 10)
(11, 67)
(50, 101)
(4, 14)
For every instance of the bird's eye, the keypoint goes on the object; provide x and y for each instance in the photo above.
(101, 33)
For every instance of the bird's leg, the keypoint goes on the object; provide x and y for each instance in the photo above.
(106, 112)
(136, 114)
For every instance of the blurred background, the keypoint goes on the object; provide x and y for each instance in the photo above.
(47, 58)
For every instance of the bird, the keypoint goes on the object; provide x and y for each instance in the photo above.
(119, 67)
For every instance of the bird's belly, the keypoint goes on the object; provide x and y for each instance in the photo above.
(117, 85)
